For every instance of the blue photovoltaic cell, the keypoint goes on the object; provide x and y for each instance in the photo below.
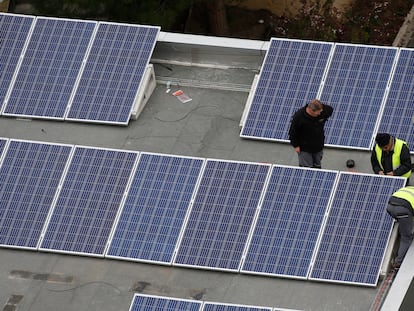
(213, 306)
(398, 114)
(155, 208)
(113, 73)
(3, 142)
(290, 219)
(357, 230)
(88, 201)
(50, 68)
(29, 178)
(142, 302)
(222, 215)
(14, 30)
(355, 86)
(290, 76)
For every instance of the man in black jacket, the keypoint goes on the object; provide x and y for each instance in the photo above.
(307, 134)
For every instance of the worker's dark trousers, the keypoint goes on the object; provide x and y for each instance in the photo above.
(307, 159)
(405, 220)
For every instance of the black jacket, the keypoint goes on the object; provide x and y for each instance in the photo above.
(307, 132)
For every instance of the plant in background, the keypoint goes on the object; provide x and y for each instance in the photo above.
(164, 13)
(366, 21)
(315, 20)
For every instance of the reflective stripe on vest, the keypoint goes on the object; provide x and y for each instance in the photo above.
(396, 162)
(406, 193)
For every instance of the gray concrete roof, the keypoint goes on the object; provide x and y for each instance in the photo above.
(217, 74)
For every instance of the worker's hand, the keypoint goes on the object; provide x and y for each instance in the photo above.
(380, 173)
(390, 173)
(297, 149)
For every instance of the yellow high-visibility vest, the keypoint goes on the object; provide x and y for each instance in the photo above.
(396, 162)
(406, 193)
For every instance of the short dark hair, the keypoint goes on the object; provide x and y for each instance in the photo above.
(315, 105)
(383, 139)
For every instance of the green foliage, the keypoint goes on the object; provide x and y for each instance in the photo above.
(316, 20)
(366, 21)
(164, 13)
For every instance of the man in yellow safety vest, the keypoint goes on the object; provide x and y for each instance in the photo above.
(401, 208)
(391, 156)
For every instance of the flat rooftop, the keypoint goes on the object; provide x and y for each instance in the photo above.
(217, 74)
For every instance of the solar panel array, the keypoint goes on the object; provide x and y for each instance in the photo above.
(215, 306)
(353, 79)
(398, 115)
(355, 85)
(14, 31)
(113, 73)
(49, 69)
(222, 215)
(292, 72)
(92, 71)
(202, 213)
(155, 208)
(29, 177)
(143, 302)
(72, 69)
(357, 230)
(289, 223)
(88, 201)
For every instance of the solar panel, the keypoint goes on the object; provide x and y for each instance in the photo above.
(357, 230)
(290, 76)
(153, 213)
(222, 215)
(355, 86)
(29, 177)
(142, 302)
(289, 222)
(3, 142)
(113, 73)
(215, 306)
(14, 30)
(49, 68)
(88, 201)
(398, 114)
